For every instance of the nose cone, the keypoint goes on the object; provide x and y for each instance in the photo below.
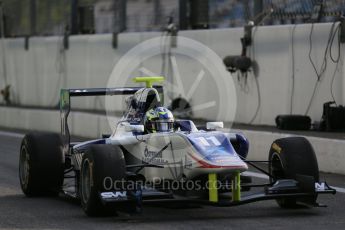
(214, 150)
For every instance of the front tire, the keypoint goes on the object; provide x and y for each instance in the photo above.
(99, 162)
(41, 168)
(290, 157)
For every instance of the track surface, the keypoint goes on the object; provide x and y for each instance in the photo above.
(19, 212)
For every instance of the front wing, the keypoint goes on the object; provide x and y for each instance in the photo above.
(280, 189)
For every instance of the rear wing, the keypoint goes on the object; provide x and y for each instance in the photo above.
(65, 104)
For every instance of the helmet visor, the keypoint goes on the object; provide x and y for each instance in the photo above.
(164, 126)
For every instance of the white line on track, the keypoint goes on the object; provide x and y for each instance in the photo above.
(255, 174)
(11, 134)
(341, 190)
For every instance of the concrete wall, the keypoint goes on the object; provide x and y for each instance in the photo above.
(37, 75)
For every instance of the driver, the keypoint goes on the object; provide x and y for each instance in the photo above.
(159, 119)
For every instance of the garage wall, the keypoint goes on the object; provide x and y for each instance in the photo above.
(36, 75)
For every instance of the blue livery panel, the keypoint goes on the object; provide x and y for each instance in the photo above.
(213, 147)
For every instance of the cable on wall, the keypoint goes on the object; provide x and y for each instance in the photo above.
(319, 74)
(292, 67)
(255, 72)
(336, 59)
(259, 101)
(60, 66)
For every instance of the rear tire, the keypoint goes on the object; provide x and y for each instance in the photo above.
(41, 168)
(289, 157)
(99, 162)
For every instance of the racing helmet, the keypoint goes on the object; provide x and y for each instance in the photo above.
(159, 119)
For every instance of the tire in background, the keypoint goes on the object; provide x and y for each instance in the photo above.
(99, 162)
(41, 167)
(289, 157)
(181, 108)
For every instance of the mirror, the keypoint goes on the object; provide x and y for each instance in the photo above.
(215, 125)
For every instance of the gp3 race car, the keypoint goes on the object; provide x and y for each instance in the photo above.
(153, 158)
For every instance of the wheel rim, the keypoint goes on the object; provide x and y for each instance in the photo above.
(86, 181)
(276, 169)
(24, 167)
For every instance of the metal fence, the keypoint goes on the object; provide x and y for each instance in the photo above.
(53, 17)
(297, 11)
(236, 13)
(35, 17)
(16, 17)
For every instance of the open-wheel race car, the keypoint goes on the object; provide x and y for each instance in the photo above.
(151, 157)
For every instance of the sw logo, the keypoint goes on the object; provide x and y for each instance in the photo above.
(114, 195)
(320, 186)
